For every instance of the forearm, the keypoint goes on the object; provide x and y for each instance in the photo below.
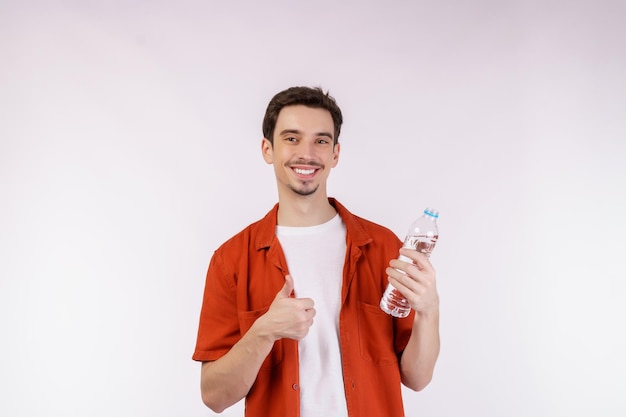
(420, 355)
(228, 379)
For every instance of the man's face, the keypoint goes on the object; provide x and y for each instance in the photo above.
(303, 153)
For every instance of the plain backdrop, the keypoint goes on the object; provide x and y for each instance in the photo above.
(130, 149)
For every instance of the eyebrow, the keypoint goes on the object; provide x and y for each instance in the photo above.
(297, 132)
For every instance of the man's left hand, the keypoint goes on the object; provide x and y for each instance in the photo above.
(416, 282)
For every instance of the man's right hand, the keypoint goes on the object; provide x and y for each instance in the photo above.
(229, 378)
(287, 317)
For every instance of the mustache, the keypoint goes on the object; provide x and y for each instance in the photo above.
(301, 161)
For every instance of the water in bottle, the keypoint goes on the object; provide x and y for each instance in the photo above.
(422, 236)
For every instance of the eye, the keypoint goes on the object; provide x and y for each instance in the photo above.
(290, 139)
(323, 141)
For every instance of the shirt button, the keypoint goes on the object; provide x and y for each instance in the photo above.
(296, 387)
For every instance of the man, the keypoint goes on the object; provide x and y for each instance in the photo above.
(290, 317)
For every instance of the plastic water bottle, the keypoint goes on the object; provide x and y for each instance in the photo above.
(422, 236)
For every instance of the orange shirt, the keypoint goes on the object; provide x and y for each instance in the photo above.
(244, 276)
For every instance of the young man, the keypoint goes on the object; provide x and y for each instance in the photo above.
(290, 317)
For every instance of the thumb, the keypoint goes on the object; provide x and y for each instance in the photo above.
(287, 289)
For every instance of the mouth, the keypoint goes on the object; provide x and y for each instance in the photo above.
(302, 171)
(305, 172)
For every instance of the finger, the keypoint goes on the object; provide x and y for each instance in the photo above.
(400, 269)
(420, 259)
(306, 303)
(401, 279)
(409, 274)
(287, 289)
(310, 312)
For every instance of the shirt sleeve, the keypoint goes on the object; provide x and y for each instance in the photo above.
(218, 329)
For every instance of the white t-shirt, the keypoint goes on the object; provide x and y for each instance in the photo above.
(315, 257)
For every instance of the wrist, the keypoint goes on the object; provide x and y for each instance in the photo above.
(262, 333)
(430, 314)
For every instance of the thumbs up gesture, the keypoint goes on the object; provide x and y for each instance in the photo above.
(288, 317)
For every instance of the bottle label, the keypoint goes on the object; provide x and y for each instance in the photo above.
(421, 243)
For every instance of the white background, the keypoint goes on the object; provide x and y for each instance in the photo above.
(130, 149)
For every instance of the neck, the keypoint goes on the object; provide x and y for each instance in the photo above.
(304, 211)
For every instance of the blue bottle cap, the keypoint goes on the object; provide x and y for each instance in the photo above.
(431, 212)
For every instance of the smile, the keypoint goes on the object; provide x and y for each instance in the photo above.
(302, 171)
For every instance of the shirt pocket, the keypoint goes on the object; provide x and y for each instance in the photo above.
(246, 320)
(375, 335)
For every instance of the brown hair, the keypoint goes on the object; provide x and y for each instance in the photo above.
(308, 96)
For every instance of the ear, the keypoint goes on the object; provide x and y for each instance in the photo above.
(267, 150)
(336, 150)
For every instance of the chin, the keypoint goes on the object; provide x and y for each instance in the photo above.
(304, 192)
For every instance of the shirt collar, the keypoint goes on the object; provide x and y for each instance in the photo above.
(354, 228)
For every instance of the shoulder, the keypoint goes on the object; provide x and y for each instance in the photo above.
(377, 243)
(378, 233)
(364, 230)
(241, 239)
(256, 235)
(374, 228)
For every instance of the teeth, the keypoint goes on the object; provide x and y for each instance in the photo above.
(304, 171)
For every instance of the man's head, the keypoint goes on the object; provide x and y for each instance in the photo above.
(307, 96)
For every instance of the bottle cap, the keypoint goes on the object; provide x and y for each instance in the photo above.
(431, 212)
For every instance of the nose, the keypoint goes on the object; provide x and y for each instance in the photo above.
(306, 150)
